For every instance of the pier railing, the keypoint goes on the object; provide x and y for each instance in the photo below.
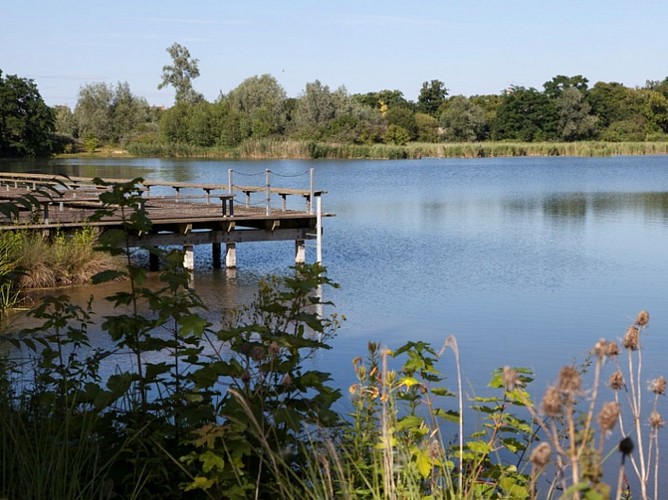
(85, 189)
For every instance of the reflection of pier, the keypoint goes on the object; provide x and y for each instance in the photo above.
(184, 214)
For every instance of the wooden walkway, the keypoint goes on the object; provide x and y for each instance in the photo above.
(181, 213)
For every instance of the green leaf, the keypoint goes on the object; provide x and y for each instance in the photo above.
(107, 276)
(423, 463)
(409, 422)
(211, 461)
(479, 447)
(199, 483)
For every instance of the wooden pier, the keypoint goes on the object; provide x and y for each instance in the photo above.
(183, 214)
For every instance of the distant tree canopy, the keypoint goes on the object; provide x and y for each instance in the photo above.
(27, 124)
(567, 109)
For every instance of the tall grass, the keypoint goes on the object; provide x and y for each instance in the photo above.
(280, 148)
(59, 259)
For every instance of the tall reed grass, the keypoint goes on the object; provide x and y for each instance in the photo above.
(280, 149)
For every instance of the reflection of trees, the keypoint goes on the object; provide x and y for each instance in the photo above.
(122, 169)
(565, 207)
(577, 206)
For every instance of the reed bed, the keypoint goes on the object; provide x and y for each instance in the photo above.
(261, 149)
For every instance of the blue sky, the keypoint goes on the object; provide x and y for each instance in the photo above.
(475, 47)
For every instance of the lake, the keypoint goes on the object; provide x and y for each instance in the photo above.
(527, 261)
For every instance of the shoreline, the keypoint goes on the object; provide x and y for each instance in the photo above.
(294, 150)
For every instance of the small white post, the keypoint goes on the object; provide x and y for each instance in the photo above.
(267, 172)
(230, 255)
(229, 181)
(300, 252)
(310, 199)
(318, 230)
(189, 257)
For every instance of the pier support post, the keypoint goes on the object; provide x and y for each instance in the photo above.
(215, 254)
(300, 252)
(153, 262)
(230, 255)
(318, 230)
(189, 257)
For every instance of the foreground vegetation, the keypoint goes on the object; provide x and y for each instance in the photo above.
(177, 409)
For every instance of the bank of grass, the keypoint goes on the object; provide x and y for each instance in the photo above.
(265, 149)
(34, 260)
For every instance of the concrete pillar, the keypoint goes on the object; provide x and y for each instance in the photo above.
(153, 262)
(189, 257)
(300, 252)
(215, 253)
(230, 255)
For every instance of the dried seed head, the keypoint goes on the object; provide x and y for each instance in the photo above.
(511, 378)
(274, 348)
(632, 338)
(607, 417)
(257, 353)
(616, 381)
(601, 348)
(658, 385)
(612, 349)
(643, 318)
(287, 380)
(569, 380)
(540, 456)
(656, 420)
(435, 451)
(551, 402)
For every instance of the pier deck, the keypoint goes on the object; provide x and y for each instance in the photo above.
(181, 213)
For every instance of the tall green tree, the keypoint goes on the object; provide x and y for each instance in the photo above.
(432, 96)
(575, 121)
(555, 87)
(316, 109)
(613, 102)
(26, 122)
(93, 111)
(180, 74)
(128, 112)
(526, 115)
(462, 120)
(263, 101)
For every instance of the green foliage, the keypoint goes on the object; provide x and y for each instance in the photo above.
(26, 122)
(462, 120)
(526, 115)
(263, 101)
(180, 74)
(432, 96)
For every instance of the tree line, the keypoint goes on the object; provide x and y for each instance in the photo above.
(567, 109)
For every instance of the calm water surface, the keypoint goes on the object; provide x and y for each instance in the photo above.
(527, 261)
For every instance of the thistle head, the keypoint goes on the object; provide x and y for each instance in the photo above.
(658, 385)
(540, 456)
(607, 417)
(631, 339)
(616, 381)
(643, 318)
(552, 402)
(569, 380)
